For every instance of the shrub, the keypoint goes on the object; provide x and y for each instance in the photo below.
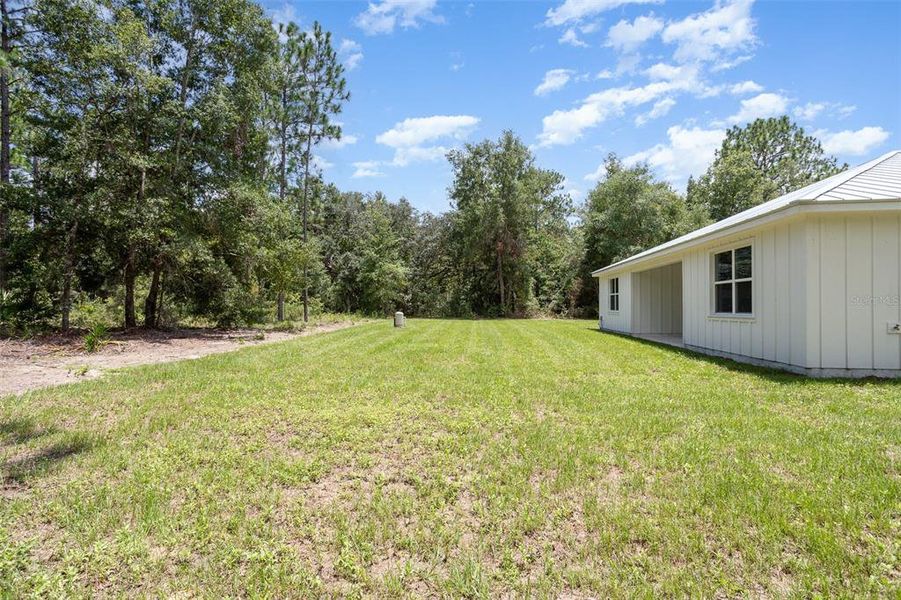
(96, 338)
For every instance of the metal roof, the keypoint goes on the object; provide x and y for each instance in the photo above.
(879, 179)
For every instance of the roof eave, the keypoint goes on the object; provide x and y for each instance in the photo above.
(778, 213)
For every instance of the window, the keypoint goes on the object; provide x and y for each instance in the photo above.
(732, 286)
(614, 294)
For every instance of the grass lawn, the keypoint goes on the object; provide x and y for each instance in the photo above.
(452, 458)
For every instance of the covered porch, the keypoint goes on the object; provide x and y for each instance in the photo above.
(657, 304)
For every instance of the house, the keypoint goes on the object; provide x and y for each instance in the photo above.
(809, 282)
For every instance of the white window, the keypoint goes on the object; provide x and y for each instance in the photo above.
(614, 294)
(732, 281)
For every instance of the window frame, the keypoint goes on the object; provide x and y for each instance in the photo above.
(732, 281)
(613, 295)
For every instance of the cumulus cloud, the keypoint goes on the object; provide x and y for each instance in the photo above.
(566, 126)
(811, 110)
(367, 168)
(350, 53)
(852, 143)
(346, 140)
(713, 35)
(383, 17)
(573, 11)
(745, 87)
(627, 37)
(761, 106)
(660, 109)
(415, 140)
(416, 131)
(554, 80)
(571, 37)
(689, 152)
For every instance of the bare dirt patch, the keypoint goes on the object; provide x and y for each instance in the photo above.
(54, 360)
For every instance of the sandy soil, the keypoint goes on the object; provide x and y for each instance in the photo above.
(53, 360)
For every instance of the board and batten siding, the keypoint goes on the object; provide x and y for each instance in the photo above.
(825, 288)
(657, 300)
(775, 330)
(854, 286)
(620, 320)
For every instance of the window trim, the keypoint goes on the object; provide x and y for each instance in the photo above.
(611, 294)
(731, 248)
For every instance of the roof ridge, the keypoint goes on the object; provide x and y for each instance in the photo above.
(852, 174)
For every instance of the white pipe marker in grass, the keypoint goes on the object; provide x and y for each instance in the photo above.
(399, 320)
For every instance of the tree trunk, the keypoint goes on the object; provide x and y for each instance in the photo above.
(500, 281)
(68, 276)
(283, 149)
(306, 185)
(4, 140)
(281, 307)
(150, 303)
(129, 276)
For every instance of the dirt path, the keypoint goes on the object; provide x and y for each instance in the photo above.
(36, 363)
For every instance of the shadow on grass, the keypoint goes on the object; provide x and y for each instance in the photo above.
(769, 373)
(23, 468)
(17, 431)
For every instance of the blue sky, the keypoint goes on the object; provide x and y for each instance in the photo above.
(575, 79)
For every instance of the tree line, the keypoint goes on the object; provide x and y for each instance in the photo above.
(158, 159)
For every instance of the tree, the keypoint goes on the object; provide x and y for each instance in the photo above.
(758, 162)
(322, 95)
(627, 212)
(501, 200)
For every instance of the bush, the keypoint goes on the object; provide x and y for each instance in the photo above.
(96, 338)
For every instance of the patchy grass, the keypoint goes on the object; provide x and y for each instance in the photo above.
(452, 458)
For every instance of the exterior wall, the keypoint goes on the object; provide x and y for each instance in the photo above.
(657, 300)
(854, 290)
(620, 320)
(776, 329)
(826, 291)
(826, 286)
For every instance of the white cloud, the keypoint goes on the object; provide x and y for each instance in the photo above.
(346, 140)
(284, 14)
(725, 64)
(745, 87)
(321, 163)
(605, 74)
(554, 80)
(566, 126)
(711, 35)
(689, 152)
(761, 106)
(572, 11)
(383, 17)
(416, 131)
(597, 174)
(572, 38)
(367, 168)
(852, 143)
(665, 72)
(627, 37)
(413, 139)
(811, 110)
(350, 53)
(660, 109)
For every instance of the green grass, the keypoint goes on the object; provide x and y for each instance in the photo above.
(452, 458)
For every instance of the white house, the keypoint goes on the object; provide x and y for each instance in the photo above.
(809, 282)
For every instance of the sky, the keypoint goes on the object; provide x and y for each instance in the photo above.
(653, 81)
